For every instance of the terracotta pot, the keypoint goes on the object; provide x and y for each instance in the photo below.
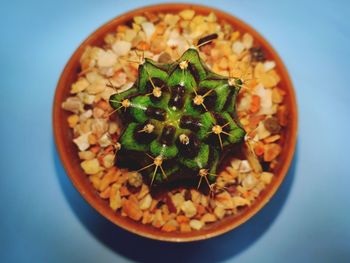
(68, 151)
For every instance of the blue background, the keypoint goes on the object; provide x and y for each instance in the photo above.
(44, 219)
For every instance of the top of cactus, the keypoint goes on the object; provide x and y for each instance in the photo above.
(179, 119)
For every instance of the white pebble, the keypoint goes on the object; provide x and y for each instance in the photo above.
(121, 48)
(108, 160)
(86, 98)
(145, 202)
(79, 85)
(236, 163)
(237, 47)
(104, 140)
(268, 65)
(266, 100)
(82, 141)
(247, 40)
(245, 167)
(148, 28)
(249, 182)
(85, 115)
(99, 126)
(261, 131)
(93, 76)
(97, 86)
(73, 104)
(106, 58)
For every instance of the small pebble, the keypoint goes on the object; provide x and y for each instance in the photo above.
(121, 48)
(73, 120)
(164, 58)
(135, 179)
(91, 166)
(196, 224)
(79, 86)
(239, 201)
(271, 151)
(247, 40)
(237, 47)
(106, 58)
(208, 218)
(268, 65)
(86, 155)
(148, 28)
(82, 142)
(131, 209)
(266, 177)
(272, 125)
(189, 209)
(257, 54)
(73, 104)
(219, 211)
(187, 14)
(115, 201)
(146, 202)
(108, 160)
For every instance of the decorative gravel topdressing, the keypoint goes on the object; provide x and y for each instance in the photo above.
(213, 190)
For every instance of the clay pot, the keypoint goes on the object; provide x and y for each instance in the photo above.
(68, 151)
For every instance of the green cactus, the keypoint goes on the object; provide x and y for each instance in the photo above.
(179, 118)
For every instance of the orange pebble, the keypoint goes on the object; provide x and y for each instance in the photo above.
(252, 83)
(182, 219)
(255, 104)
(282, 115)
(132, 210)
(122, 28)
(95, 149)
(271, 151)
(124, 191)
(151, 16)
(259, 149)
(102, 104)
(106, 193)
(147, 217)
(92, 139)
(185, 227)
(143, 46)
(108, 149)
(169, 227)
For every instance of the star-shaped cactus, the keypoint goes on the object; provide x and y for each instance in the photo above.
(179, 119)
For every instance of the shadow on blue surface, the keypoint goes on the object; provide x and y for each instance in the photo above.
(141, 249)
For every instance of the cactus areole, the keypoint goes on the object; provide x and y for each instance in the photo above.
(179, 118)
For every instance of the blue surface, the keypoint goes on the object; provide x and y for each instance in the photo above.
(44, 219)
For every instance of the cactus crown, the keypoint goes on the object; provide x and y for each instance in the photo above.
(179, 120)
